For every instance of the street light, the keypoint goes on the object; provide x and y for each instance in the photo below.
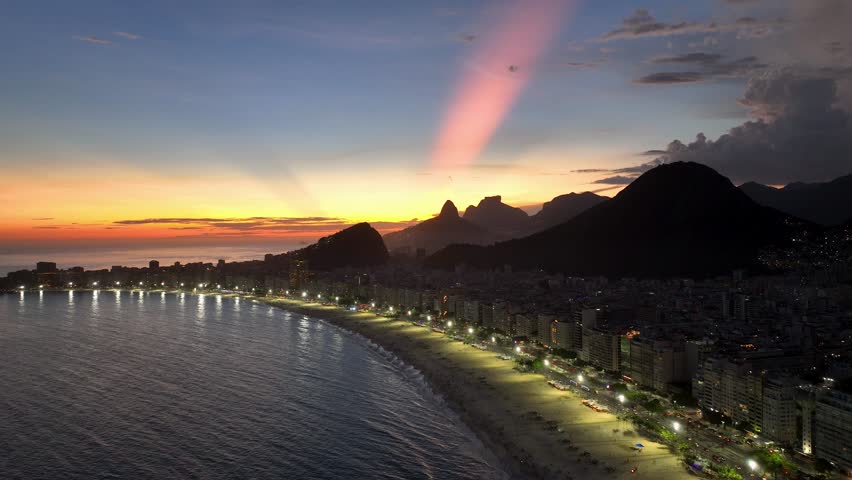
(408, 313)
(319, 295)
(94, 284)
(546, 362)
(622, 398)
(580, 378)
(470, 330)
(450, 324)
(493, 339)
(518, 349)
(304, 294)
(676, 426)
(752, 465)
(372, 304)
(428, 318)
(390, 308)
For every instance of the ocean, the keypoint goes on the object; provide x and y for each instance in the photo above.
(137, 385)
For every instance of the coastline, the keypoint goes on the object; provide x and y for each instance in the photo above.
(535, 430)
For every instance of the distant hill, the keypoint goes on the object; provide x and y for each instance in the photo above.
(495, 216)
(438, 232)
(828, 203)
(676, 219)
(357, 246)
(563, 208)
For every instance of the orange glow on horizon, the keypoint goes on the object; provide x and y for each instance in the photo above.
(499, 69)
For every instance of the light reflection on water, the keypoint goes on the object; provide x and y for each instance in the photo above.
(116, 389)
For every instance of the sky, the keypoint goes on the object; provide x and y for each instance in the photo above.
(266, 124)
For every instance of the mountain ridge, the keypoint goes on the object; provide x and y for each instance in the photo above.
(826, 203)
(678, 218)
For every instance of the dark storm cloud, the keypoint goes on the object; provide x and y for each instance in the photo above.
(798, 134)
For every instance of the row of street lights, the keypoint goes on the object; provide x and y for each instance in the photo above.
(677, 427)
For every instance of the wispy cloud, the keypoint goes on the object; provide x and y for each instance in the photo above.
(256, 225)
(93, 39)
(623, 175)
(710, 63)
(671, 78)
(642, 24)
(127, 35)
(653, 153)
(615, 180)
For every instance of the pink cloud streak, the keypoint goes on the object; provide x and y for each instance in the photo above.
(487, 88)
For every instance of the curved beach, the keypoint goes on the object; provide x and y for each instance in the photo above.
(540, 432)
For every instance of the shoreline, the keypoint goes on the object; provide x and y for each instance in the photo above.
(531, 429)
(534, 430)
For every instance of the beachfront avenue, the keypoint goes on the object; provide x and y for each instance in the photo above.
(715, 450)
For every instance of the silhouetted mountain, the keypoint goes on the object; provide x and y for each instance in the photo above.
(438, 232)
(676, 219)
(494, 215)
(564, 208)
(828, 203)
(357, 246)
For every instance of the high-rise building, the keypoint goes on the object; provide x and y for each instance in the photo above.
(732, 388)
(833, 428)
(472, 312)
(779, 409)
(564, 334)
(545, 322)
(298, 274)
(154, 265)
(601, 348)
(523, 326)
(46, 267)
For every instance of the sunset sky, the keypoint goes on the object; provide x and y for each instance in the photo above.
(131, 125)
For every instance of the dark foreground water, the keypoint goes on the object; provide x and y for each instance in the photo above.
(150, 385)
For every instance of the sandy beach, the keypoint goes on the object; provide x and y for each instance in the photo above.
(539, 431)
